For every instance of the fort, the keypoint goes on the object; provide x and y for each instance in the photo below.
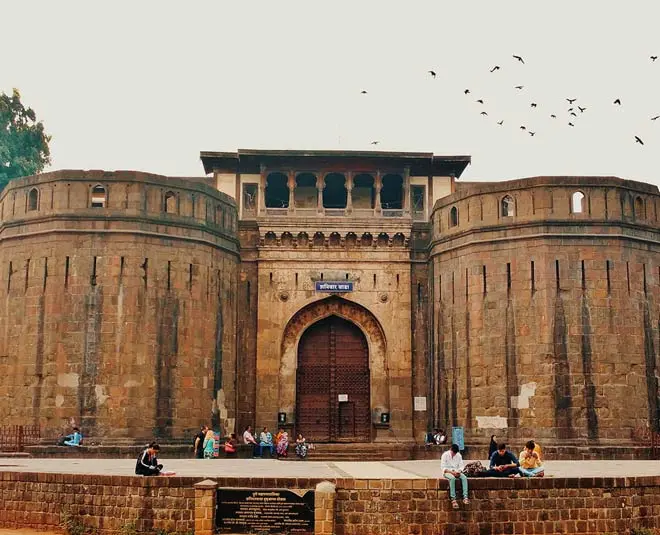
(356, 297)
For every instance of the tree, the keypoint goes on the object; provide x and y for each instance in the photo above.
(24, 147)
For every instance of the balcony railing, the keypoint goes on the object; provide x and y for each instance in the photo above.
(337, 212)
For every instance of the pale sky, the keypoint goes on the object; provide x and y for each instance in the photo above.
(147, 85)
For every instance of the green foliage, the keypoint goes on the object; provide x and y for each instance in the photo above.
(24, 147)
(641, 531)
(73, 525)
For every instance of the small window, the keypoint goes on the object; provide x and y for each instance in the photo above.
(577, 202)
(219, 216)
(453, 217)
(169, 203)
(418, 194)
(639, 208)
(33, 200)
(508, 206)
(249, 200)
(98, 197)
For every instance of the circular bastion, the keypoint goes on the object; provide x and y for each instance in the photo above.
(544, 316)
(117, 298)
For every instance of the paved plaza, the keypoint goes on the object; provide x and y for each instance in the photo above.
(242, 468)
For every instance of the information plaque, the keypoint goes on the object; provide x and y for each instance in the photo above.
(264, 511)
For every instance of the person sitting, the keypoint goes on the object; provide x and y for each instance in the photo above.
(503, 463)
(230, 446)
(440, 436)
(282, 443)
(266, 441)
(301, 446)
(248, 438)
(530, 461)
(74, 439)
(147, 462)
(451, 464)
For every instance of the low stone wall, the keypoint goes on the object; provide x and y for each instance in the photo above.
(594, 506)
(181, 505)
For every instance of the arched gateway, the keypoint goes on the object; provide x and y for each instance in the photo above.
(332, 382)
(333, 371)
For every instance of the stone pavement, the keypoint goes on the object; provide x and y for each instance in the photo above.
(242, 468)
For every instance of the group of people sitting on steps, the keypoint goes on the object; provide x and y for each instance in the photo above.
(502, 463)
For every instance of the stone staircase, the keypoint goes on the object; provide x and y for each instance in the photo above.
(355, 452)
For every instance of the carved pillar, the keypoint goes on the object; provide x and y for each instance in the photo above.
(378, 185)
(292, 189)
(406, 191)
(349, 193)
(262, 191)
(320, 182)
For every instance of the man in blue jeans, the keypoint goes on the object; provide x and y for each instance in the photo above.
(451, 464)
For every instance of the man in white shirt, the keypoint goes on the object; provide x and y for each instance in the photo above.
(248, 438)
(451, 464)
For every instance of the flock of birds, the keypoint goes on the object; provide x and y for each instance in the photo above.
(573, 111)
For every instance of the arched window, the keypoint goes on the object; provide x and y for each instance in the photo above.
(169, 202)
(277, 191)
(98, 196)
(364, 193)
(391, 195)
(453, 217)
(305, 194)
(33, 200)
(577, 202)
(639, 208)
(334, 193)
(508, 206)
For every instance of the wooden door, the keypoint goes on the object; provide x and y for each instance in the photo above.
(333, 364)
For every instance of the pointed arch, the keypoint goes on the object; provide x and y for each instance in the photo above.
(354, 313)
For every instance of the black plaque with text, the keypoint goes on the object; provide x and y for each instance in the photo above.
(264, 511)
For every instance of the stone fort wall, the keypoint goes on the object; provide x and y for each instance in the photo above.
(117, 303)
(545, 322)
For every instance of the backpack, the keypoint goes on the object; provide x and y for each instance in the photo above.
(473, 468)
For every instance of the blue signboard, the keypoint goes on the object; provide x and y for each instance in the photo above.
(457, 437)
(333, 286)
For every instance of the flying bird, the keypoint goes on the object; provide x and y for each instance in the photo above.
(531, 133)
(519, 86)
(553, 116)
(617, 101)
(638, 140)
(523, 128)
(653, 58)
(533, 104)
(570, 109)
(571, 100)
(571, 124)
(518, 58)
(496, 68)
(500, 122)
(574, 114)
(483, 113)
(480, 101)
(466, 91)
(363, 92)
(432, 73)
(656, 117)
(581, 109)
(375, 142)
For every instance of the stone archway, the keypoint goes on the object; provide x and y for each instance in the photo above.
(365, 321)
